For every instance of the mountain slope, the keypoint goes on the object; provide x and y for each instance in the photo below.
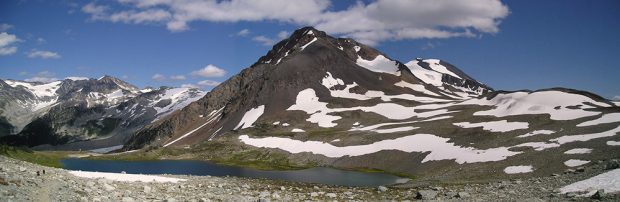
(317, 100)
(82, 113)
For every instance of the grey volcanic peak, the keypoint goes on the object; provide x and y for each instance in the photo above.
(82, 113)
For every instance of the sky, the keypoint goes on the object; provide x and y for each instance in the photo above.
(508, 45)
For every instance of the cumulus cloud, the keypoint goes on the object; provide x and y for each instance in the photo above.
(189, 85)
(7, 43)
(209, 71)
(371, 22)
(43, 54)
(616, 98)
(208, 83)
(5, 27)
(177, 77)
(243, 32)
(158, 77)
(43, 76)
(264, 40)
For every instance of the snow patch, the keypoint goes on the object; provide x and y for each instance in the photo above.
(537, 132)
(606, 118)
(304, 46)
(77, 78)
(435, 65)
(297, 130)
(575, 162)
(609, 181)
(379, 64)
(613, 143)
(416, 87)
(250, 117)
(586, 137)
(554, 103)
(495, 126)
(439, 148)
(579, 151)
(518, 169)
(125, 177)
(427, 76)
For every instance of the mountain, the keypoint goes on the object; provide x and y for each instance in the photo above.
(316, 100)
(82, 113)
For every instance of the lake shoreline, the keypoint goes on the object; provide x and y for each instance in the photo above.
(22, 184)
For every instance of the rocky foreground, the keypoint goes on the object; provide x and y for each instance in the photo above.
(19, 182)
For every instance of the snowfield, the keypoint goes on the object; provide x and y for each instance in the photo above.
(495, 126)
(250, 117)
(308, 102)
(606, 118)
(126, 177)
(439, 148)
(542, 102)
(609, 181)
(518, 169)
(379, 64)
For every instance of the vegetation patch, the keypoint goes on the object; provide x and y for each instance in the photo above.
(51, 159)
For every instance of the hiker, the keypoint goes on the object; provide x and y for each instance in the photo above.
(43, 171)
(38, 174)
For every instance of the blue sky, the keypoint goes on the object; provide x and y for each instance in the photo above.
(509, 45)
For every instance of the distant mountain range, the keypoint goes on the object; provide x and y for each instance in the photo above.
(322, 101)
(82, 113)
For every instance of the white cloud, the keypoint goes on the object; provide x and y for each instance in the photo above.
(208, 83)
(283, 35)
(371, 23)
(177, 77)
(43, 54)
(41, 40)
(43, 76)
(5, 27)
(209, 71)
(616, 98)
(264, 40)
(243, 32)
(7, 43)
(158, 77)
(189, 85)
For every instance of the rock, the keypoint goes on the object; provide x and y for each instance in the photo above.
(452, 194)
(282, 188)
(567, 171)
(245, 186)
(170, 200)
(22, 169)
(146, 189)
(264, 194)
(463, 194)
(382, 189)
(262, 200)
(90, 183)
(331, 195)
(127, 199)
(426, 194)
(314, 194)
(108, 187)
(204, 200)
(612, 164)
(275, 195)
(599, 194)
(581, 169)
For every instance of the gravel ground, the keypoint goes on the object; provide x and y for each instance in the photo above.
(19, 182)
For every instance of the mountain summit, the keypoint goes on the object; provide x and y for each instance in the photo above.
(318, 100)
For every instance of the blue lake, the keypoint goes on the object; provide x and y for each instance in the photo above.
(320, 175)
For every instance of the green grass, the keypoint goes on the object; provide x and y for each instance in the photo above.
(51, 159)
